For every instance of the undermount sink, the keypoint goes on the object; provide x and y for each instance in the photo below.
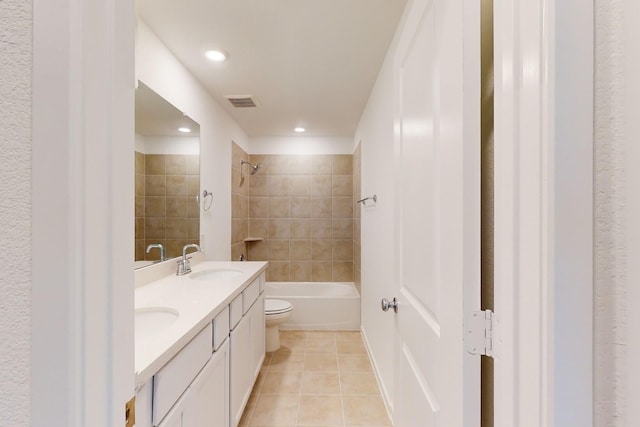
(215, 274)
(151, 320)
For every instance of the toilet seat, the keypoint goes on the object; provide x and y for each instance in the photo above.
(276, 306)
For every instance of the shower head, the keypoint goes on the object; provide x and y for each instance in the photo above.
(254, 169)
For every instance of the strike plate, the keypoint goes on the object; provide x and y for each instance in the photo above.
(130, 412)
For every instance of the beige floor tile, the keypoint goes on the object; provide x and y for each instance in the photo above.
(320, 383)
(248, 410)
(351, 347)
(320, 346)
(348, 336)
(281, 383)
(259, 381)
(320, 363)
(286, 361)
(364, 411)
(289, 336)
(320, 411)
(361, 383)
(275, 411)
(354, 363)
(321, 335)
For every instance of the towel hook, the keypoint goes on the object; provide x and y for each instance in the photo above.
(364, 201)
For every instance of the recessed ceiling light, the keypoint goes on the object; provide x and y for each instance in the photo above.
(300, 129)
(216, 55)
(185, 130)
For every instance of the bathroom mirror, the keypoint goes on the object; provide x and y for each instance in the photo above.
(167, 178)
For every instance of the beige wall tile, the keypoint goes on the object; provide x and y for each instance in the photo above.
(193, 229)
(342, 185)
(177, 185)
(321, 165)
(140, 184)
(154, 228)
(278, 271)
(300, 250)
(258, 207)
(237, 154)
(321, 207)
(175, 164)
(237, 250)
(321, 271)
(239, 206)
(140, 206)
(139, 233)
(174, 247)
(356, 230)
(278, 250)
(258, 185)
(154, 164)
(262, 159)
(193, 164)
(342, 228)
(321, 228)
(321, 185)
(259, 228)
(176, 228)
(239, 183)
(301, 164)
(239, 229)
(193, 185)
(155, 185)
(279, 164)
(154, 207)
(343, 250)
(279, 207)
(300, 271)
(139, 250)
(279, 228)
(342, 207)
(300, 228)
(342, 271)
(257, 251)
(300, 207)
(356, 255)
(300, 185)
(279, 185)
(139, 162)
(321, 250)
(193, 209)
(342, 164)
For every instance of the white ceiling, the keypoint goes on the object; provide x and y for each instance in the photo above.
(157, 117)
(308, 63)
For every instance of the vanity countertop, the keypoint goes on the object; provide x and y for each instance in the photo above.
(197, 302)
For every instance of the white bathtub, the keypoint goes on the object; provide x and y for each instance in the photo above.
(318, 305)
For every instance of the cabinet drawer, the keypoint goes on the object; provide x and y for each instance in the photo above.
(220, 328)
(235, 311)
(250, 295)
(174, 377)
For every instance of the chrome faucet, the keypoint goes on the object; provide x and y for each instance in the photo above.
(157, 245)
(184, 266)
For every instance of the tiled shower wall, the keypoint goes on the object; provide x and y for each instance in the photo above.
(301, 206)
(239, 202)
(357, 192)
(166, 208)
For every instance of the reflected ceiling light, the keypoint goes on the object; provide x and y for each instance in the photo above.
(300, 129)
(185, 130)
(216, 55)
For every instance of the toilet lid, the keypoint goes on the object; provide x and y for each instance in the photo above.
(276, 306)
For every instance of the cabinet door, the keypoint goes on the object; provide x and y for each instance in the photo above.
(241, 369)
(207, 403)
(175, 414)
(257, 336)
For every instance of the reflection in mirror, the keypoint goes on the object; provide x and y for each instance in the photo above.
(167, 181)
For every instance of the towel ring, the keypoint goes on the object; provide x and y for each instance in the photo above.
(206, 204)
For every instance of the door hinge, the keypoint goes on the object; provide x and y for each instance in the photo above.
(480, 336)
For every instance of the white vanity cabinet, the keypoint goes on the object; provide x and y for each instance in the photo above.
(247, 350)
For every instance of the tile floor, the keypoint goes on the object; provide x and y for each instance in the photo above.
(316, 378)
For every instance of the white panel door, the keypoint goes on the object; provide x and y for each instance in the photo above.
(437, 72)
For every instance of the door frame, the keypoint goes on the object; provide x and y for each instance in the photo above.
(82, 353)
(543, 212)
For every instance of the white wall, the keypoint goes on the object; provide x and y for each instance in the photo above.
(375, 134)
(15, 211)
(163, 73)
(167, 144)
(300, 145)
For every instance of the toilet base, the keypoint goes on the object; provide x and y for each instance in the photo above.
(272, 338)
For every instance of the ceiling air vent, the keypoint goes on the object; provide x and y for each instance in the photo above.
(242, 101)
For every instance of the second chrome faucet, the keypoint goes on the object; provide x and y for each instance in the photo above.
(184, 266)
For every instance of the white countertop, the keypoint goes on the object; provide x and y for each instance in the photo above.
(197, 303)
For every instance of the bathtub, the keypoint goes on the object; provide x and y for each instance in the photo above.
(318, 305)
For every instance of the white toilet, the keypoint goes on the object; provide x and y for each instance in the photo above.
(276, 312)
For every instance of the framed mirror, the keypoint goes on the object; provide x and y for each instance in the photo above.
(167, 181)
